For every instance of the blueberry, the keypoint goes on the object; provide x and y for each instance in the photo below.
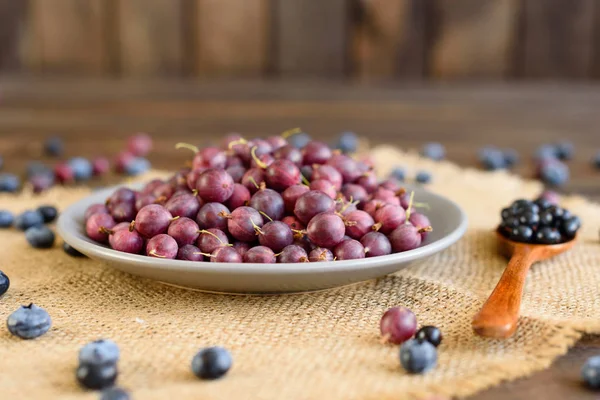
(4, 283)
(9, 183)
(97, 377)
(554, 173)
(543, 204)
(28, 219)
(103, 351)
(545, 152)
(511, 157)
(417, 356)
(564, 150)
(348, 142)
(521, 233)
(49, 213)
(590, 373)
(570, 226)
(492, 158)
(306, 171)
(547, 235)
(29, 322)
(72, 251)
(546, 218)
(511, 222)
(596, 160)
(82, 168)
(137, 166)
(431, 334)
(529, 218)
(507, 213)
(398, 173)
(6, 219)
(114, 393)
(211, 363)
(423, 177)
(54, 147)
(434, 150)
(38, 168)
(40, 237)
(299, 140)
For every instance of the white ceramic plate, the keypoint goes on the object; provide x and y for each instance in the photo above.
(448, 220)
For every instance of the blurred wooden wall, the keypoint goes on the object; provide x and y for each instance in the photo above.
(351, 39)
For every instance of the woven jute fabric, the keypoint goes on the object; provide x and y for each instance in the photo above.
(322, 345)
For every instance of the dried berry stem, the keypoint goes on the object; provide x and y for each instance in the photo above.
(106, 231)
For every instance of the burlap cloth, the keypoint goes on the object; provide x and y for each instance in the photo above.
(322, 345)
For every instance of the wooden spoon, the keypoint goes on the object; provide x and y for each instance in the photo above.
(498, 316)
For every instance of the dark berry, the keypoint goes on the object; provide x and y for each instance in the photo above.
(82, 168)
(423, 177)
(28, 219)
(6, 219)
(507, 213)
(211, 363)
(4, 283)
(9, 183)
(564, 150)
(570, 226)
(72, 251)
(546, 218)
(590, 373)
(511, 157)
(54, 147)
(529, 218)
(114, 393)
(348, 142)
(40, 237)
(98, 352)
(97, 377)
(29, 322)
(492, 158)
(398, 173)
(547, 235)
(431, 334)
(434, 150)
(418, 356)
(49, 213)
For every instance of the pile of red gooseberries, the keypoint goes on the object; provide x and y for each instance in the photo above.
(262, 201)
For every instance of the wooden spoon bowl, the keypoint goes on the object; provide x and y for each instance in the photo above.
(499, 315)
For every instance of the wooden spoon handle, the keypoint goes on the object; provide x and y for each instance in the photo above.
(500, 313)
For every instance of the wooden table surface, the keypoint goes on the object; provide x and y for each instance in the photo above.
(94, 117)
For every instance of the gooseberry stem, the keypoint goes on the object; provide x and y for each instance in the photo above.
(258, 161)
(290, 132)
(410, 204)
(188, 146)
(235, 142)
(212, 234)
(265, 215)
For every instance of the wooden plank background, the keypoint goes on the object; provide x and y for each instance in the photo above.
(345, 39)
